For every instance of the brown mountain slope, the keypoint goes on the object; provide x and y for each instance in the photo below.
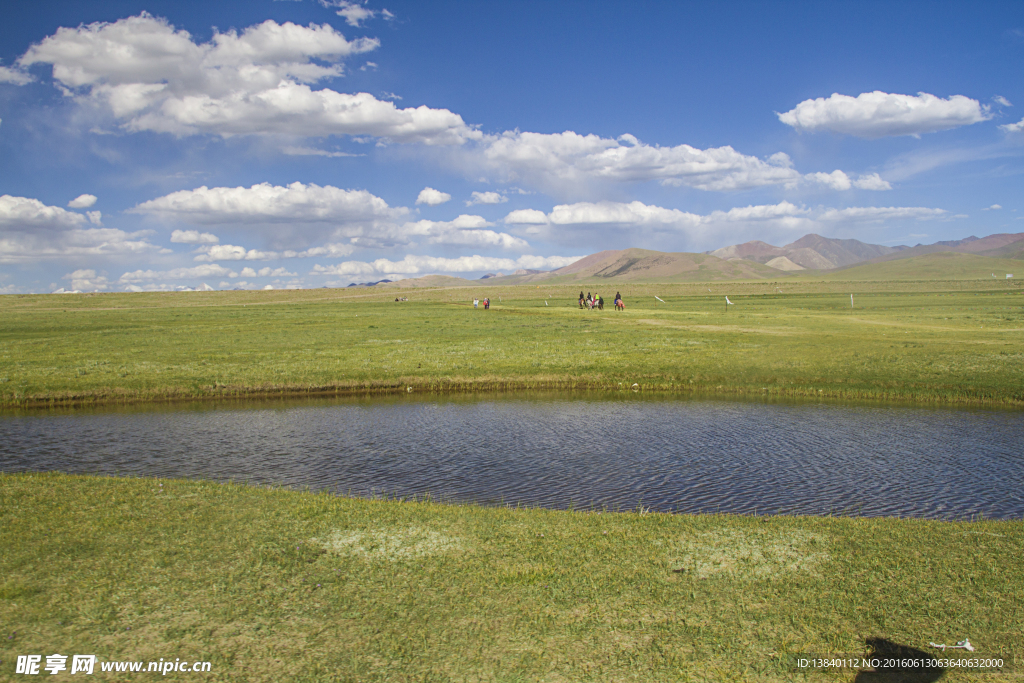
(755, 250)
(810, 251)
(999, 246)
(644, 265)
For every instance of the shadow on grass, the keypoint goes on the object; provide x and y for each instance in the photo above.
(892, 671)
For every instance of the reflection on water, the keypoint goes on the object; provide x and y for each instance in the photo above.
(687, 456)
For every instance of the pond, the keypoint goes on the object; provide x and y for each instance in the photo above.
(560, 452)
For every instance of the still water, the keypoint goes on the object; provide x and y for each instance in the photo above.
(669, 455)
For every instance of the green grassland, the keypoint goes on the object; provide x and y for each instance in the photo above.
(930, 341)
(946, 265)
(275, 585)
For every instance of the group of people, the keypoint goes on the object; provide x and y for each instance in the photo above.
(592, 301)
(487, 303)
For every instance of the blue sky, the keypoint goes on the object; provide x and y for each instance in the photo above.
(303, 143)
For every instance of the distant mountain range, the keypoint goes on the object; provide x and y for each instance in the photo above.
(758, 260)
(814, 252)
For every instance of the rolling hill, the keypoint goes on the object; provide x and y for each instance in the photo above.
(643, 265)
(943, 265)
(812, 252)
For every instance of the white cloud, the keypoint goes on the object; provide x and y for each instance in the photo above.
(231, 252)
(643, 215)
(306, 214)
(526, 217)
(568, 161)
(634, 213)
(14, 76)
(417, 265)
(1002, 101)
(87, 279)
(762, 212)
(880, 213)
(197, 272)
(266, 203)
(1013, 127)
(879, 114)
(837, 180)
(266, 272)
(432, 197)
(353, 12)
(95, 217)
(31, 230)
(193, 237)
(152, 77)
(565, 223)
(486, 198)
(871, 182)
(82, 201)
(23, 213)
(325, 250)
(297, 151)
(994, 207)
(465, 230)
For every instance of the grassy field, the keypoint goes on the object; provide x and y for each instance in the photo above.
(274, 585)
(931, 341)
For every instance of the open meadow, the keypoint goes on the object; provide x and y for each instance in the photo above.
(930, 341)
(274, 585)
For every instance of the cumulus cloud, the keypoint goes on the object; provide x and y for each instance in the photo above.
(1013, 127)
(31, 230)
(266, 272)
(353, 12)
(86, 279)
(880, 213)
(993, 207)
(566, 222)
(432, 197)
(231, 252)
(569, 160)
(266, 203)
(878, 114)
(419, 265)
(196, 272)
(14, 76)
(465, 230)
(82, 201)
(153, 77)
(299, 151)
(587, 216)
(310, 213)
(837, 180)
(871, 182)
(486, 198)
(193, 237)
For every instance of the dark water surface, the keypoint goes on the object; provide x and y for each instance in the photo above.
(669, 455)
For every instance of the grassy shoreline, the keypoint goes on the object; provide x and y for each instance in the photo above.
(274, 584)
(895, 344)
(512, 387)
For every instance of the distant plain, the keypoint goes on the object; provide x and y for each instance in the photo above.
(946, 341)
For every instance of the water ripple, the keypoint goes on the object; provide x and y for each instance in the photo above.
(685, 456)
